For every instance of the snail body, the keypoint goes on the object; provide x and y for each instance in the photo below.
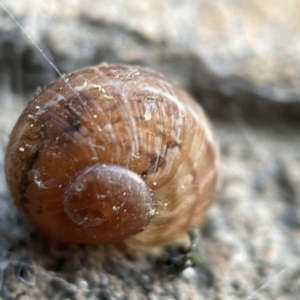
(112, 153)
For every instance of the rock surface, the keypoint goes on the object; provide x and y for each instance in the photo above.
(228, 45)
(240, 59)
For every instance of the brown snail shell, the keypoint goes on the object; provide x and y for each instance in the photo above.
(112, 153)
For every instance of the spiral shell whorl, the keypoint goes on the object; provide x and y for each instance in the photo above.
(102, 195)
(117, 115)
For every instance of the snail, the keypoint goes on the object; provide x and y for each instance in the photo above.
(111, 154)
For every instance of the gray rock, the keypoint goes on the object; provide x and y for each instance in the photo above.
(230, 46)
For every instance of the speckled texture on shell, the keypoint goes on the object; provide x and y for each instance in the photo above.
(121, 115)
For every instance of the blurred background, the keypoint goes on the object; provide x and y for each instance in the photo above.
(240, 61)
